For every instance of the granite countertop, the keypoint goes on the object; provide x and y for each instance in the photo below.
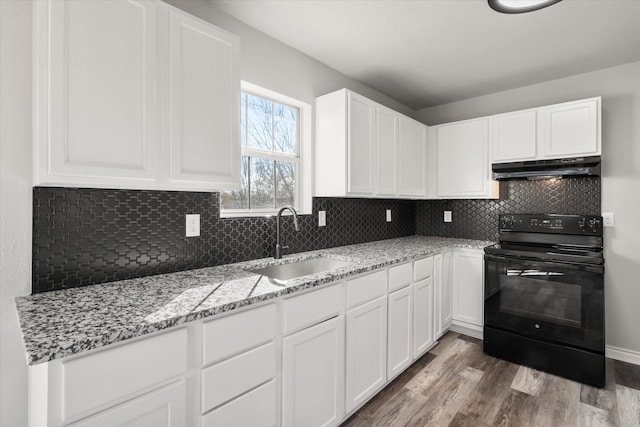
(62, 323)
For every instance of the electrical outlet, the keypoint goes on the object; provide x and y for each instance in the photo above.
(447, 216)
(388, 215)
(322, 218)
(192, 225)
(607, 219)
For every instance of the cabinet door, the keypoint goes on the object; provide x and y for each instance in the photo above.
(438, 329)
(361, 144)
(463, 163)
(514, 136)
(570, 129)
(399, 354)
(313, 375)
(412, 157)
(366, 367)
(96, 108)
(468, 296)
(165, 407)
(386, 151)
(422, 316)
(204, 105)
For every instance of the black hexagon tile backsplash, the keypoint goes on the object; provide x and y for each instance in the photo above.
(88, 236)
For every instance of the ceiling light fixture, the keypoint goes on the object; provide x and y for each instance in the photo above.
(519, 6)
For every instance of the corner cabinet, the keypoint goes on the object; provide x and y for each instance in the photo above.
(464, 170)
(364, 149)
(468, 289)
(133, 94)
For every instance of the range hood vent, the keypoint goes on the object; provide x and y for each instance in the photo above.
(538, 169)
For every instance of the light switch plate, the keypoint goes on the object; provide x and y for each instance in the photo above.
(607, 219)
(192, 225)
(447, 216)
(388, 215)
(322, 218)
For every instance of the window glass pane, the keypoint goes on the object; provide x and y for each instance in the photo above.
(284, 129)
(238, 199)
(243, 119)
(262, 193)
(259, 123)
(285, 183)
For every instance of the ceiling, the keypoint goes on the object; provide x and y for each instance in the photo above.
(431, 52)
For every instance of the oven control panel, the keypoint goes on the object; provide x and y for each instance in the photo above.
(563, 224)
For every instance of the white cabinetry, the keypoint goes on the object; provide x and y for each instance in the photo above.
(107, 77)
(120, 379)
(387, 125)
(366, 337)
(313, 375)
(399, 351)
(464, 170)
(468, 288)
(423, 337)
(366, 150)
(570, 129)
(412, 157)
(243, 350)
(513, 136)
(204, 104)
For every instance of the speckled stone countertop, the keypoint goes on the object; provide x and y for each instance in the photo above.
(61, 323)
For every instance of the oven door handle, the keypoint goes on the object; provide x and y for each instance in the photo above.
(599, 269)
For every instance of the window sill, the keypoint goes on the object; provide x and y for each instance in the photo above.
(266, 214)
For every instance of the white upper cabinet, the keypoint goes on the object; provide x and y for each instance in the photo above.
(463, 160)
(513, 136)
(204, 104)
(95, 85)
(387, 122)
(413, 156)
(106, 74)
(364, 149)
(570, 129)
(361, 144)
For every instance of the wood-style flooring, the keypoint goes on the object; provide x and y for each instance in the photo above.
(456, 384)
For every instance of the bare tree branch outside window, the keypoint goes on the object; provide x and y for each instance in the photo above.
(269, 137)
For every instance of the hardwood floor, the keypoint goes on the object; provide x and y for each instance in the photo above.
(456, 384)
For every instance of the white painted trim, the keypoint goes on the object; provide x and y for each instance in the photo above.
(466, 329)
(623, 354)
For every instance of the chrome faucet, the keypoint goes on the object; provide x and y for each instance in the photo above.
(277, 254)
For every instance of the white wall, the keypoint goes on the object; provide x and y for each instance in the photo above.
(620, 91)
(15, 202)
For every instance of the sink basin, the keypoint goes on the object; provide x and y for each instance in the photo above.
(283, 272)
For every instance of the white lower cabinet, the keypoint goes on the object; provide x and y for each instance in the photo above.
(399, 341)
(468, 288)
(165, 407)
(313, 375)
(366, 358)
(422, 316)
(256, 409)
(442, 293)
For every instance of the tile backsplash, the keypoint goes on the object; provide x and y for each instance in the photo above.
(88, 236)
(478, 219)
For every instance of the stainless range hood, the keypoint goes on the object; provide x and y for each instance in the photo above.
(540, 169)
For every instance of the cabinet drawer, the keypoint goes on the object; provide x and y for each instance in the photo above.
(121, 371)
(422, 268)
(256, 408)
(229, 379)
(366, 288)
(232, 334)
(312, 307)
(399, 276)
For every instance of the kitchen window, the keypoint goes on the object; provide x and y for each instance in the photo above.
(275, 163)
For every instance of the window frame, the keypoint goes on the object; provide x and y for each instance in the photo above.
(303, 160)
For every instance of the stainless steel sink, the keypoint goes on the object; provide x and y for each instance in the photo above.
(284, 272)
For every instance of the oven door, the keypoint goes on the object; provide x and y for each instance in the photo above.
(558, 302)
